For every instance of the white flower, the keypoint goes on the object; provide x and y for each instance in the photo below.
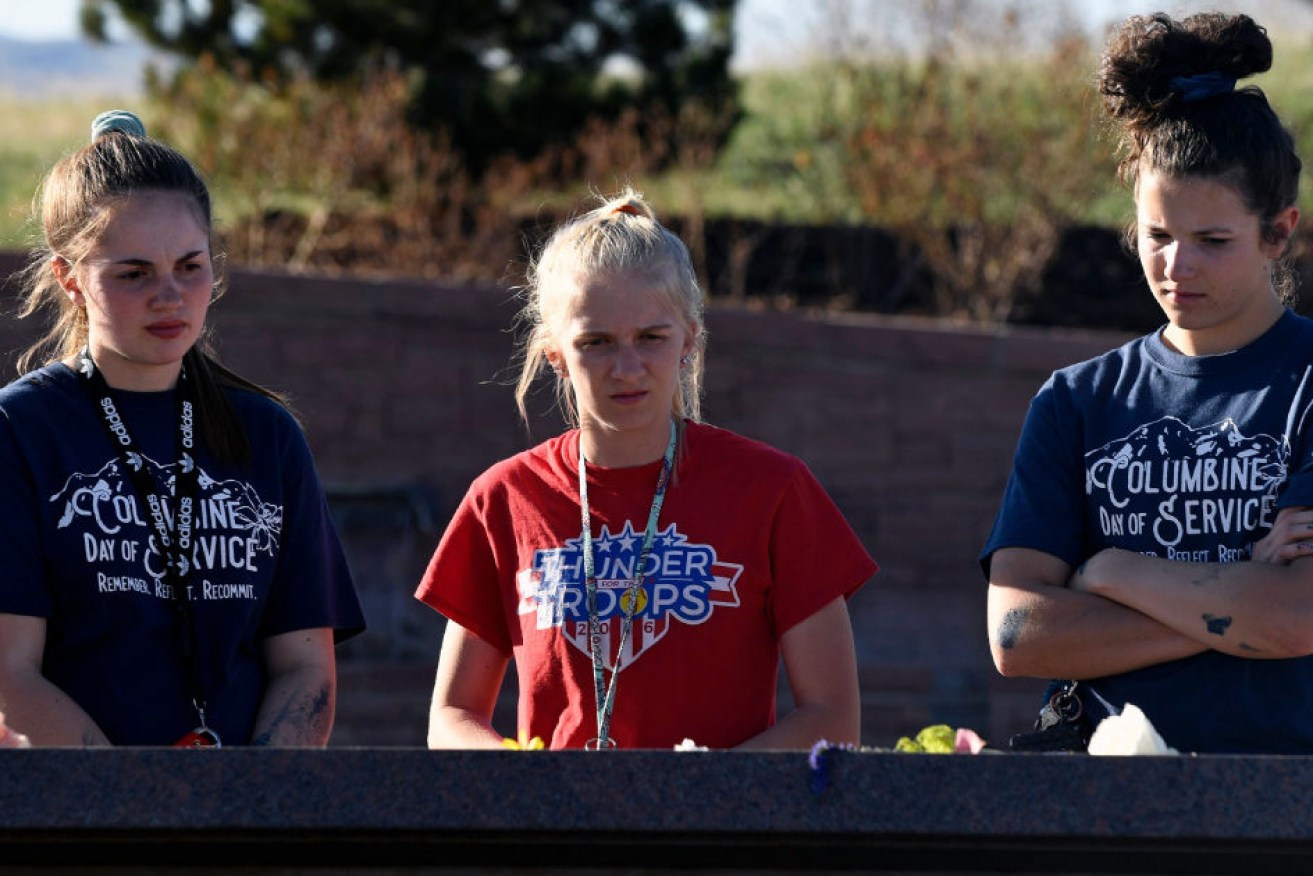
(1128, 733)
(690, 745)
(11, 738)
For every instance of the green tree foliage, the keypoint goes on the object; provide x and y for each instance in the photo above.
(497, 75)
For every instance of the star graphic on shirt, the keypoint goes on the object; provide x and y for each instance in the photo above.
(627, 540)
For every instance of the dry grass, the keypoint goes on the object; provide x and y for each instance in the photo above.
(33, 136)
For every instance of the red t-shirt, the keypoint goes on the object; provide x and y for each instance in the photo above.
(748, 545)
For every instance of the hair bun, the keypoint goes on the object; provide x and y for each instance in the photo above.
(117, 120)
(1154, 63)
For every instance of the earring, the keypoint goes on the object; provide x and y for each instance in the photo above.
(685, 359)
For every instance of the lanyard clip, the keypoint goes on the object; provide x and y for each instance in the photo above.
(202, 736)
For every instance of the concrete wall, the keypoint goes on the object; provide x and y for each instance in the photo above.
(910, 425)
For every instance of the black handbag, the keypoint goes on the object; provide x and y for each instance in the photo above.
(1064, 724)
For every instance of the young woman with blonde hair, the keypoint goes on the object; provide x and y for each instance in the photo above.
(645, 571)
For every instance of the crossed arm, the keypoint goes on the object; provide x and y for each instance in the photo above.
(1122, 611)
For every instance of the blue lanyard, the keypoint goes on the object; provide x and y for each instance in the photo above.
(605, 698)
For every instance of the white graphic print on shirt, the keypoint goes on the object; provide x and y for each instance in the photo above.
(1200, 495)
(234, 531)
(682, 581)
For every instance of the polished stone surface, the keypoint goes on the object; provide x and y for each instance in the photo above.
(657, 809)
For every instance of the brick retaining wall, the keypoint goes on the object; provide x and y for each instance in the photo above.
(909, 424)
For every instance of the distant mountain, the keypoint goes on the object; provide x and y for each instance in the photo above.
(73, 68)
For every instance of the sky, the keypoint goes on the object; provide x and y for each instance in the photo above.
(770, 32)
(43, 20)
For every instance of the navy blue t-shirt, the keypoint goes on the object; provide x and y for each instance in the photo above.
(1187, 458)
(79, 551)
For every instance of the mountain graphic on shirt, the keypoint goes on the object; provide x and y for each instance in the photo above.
(107, 499)
(1170, 439)
(1173, 439)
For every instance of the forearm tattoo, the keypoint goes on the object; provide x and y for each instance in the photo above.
(302, 716)
(1218, 626)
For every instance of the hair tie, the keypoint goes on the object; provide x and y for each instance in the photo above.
(1202, 86)
(116, 120)
(627, 208)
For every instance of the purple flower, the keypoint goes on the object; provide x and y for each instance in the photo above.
(817, 753)
(819, 761)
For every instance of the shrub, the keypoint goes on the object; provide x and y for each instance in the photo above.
(979, 169)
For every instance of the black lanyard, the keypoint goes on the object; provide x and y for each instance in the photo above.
(175, 544)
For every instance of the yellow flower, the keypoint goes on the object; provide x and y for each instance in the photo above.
(941, 739)
(534, 744)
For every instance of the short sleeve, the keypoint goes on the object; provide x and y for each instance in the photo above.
(1042, 505)
(815, 555)
(25, 590)
(462, 581)
(312, 587)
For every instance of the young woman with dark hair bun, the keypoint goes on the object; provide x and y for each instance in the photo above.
(1154, 536)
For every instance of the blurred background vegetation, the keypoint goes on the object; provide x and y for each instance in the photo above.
(960, 173)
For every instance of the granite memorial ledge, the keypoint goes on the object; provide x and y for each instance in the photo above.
(407, 808)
